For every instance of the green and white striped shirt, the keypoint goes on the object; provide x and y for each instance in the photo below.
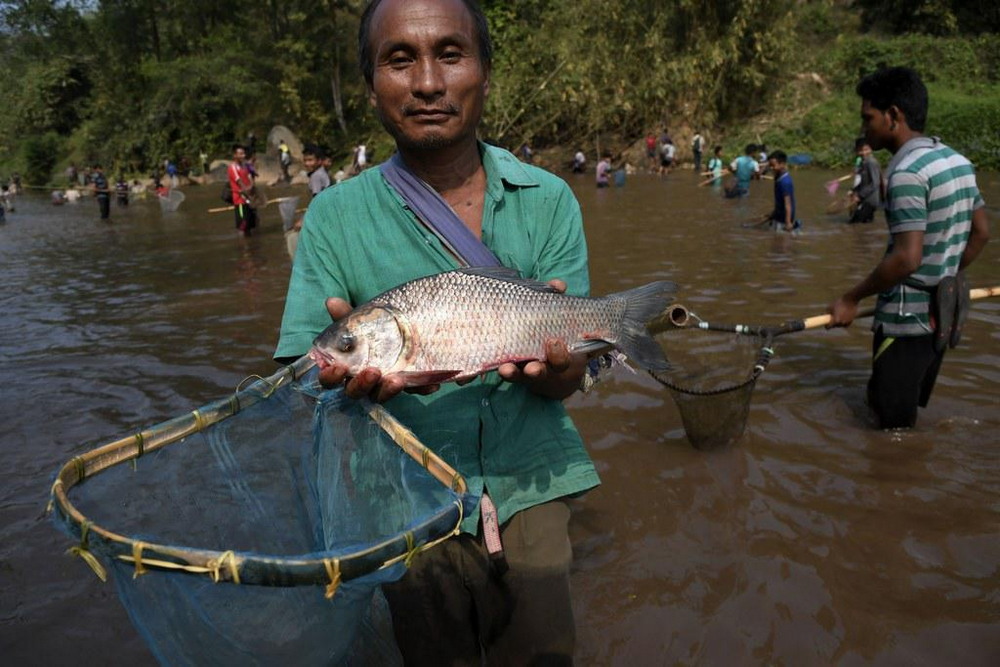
(931, 189)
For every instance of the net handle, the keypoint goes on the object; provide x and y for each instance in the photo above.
(817, 321)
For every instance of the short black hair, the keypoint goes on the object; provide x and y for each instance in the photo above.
(859, 142)
(236, 147)
(750, 149)
(778, 156)
(900, 87)
(314, 150)
(366, 59)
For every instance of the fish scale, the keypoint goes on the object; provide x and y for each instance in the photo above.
(460, 323)
(479, 322)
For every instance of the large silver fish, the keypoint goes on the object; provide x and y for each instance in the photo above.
(458, 324)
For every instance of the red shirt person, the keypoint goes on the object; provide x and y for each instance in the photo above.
(241, 183)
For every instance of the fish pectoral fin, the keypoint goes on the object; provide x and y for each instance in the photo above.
(591, 346)
(422, 378)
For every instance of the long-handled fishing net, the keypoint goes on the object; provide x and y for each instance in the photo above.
(713, 376)
(262, 533)
(171, 201)
(287, 207)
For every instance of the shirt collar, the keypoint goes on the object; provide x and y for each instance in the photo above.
(502, 167)
(913, 144)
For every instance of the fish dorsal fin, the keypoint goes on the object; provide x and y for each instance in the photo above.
(508, 274)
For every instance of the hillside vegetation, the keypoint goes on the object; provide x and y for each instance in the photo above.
(131, 82)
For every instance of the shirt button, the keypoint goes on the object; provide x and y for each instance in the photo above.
(486, 402)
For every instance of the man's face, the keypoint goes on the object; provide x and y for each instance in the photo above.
(875, 125)
(239, 155)
(310, 162)
(429, 84)
(776, 166)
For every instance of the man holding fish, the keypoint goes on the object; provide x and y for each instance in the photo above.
(485, 357)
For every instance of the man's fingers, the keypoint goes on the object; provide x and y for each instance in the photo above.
(363, 383)
(557, 355)
(534, 370)
(333, 375)
(389, 386)
(338, 308)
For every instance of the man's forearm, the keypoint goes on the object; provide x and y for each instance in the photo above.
(978, 236)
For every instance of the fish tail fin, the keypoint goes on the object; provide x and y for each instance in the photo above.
(642, 304)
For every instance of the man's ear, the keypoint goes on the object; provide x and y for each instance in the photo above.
(896, 116)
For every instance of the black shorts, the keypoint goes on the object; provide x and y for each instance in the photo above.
(246, 218)
(863, 213)
(903, 376)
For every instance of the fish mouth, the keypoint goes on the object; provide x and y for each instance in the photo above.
(321, 358)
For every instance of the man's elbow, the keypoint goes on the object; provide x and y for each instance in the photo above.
(909, 263)
(905, 263)
(981, 232)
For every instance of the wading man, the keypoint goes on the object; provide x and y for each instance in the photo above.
(937, 227)
(102, 191)
(241, 184)
(501, 593)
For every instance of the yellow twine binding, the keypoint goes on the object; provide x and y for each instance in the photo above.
(140, 569)
(81, 468)
(52, 497)
(271, 385)
(227, 558)
(333, 571)
(83, 552)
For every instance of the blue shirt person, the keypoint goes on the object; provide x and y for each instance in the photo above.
(783, 214)
(745, 168)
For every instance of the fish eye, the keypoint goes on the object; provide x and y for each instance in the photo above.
(346, 342)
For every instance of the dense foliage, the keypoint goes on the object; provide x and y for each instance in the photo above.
(130, 82)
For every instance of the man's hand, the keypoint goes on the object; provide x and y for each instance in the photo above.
(369, 382)
(842, 312)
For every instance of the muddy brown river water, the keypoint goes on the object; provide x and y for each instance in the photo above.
(815, 540)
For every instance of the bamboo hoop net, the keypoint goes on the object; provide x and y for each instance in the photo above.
(234, 566)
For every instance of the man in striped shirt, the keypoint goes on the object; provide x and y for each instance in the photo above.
(937, 227)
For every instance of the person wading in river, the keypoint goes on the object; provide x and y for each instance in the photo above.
(102, 191)
(499, 590)
(241, 184)
(937, 228)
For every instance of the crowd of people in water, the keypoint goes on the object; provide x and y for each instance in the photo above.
(863, 199)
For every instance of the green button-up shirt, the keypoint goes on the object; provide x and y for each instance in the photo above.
(360, 239)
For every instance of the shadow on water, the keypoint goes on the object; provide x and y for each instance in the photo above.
(814, 540)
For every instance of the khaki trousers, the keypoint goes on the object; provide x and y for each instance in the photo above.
(453, 608)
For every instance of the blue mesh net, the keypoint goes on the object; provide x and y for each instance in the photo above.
(298, 496)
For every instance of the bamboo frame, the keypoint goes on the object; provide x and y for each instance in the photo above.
(239, 567)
